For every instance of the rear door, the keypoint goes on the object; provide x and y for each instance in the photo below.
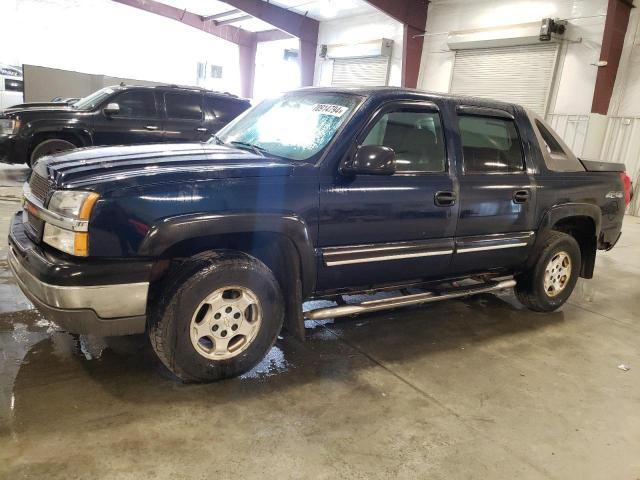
(378, 229)
(497, 193)
(184, 120)
(138, 120)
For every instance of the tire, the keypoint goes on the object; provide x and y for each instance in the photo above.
(548, 284)
(217, 316)
(48, 147)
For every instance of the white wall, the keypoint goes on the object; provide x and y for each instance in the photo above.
(360, 29)
(576, 77)
(274, 74)
(104, 37)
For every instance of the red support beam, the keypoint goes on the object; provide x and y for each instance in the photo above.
(226, 32)
(247, 56)
(615, 29)
(413, 15)
(292, 23)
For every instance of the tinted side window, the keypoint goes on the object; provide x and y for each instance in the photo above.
(223, 109)
(490, 145)
(415, 137)
(184, 106)
(136, 104)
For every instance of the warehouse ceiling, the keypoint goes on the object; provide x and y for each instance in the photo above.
(317, 9)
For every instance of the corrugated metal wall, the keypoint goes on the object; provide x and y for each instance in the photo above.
(622, 144)
(572, 129)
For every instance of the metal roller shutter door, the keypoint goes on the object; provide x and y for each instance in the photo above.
(521, 74)
(355, 72)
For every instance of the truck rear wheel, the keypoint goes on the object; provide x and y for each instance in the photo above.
(219, 315)
(548, 284)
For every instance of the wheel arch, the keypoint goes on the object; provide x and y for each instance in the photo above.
(583, 222)
(281, 242)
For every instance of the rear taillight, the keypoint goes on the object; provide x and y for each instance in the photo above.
(626, 184)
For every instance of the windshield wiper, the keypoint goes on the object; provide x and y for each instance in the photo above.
(251, 147)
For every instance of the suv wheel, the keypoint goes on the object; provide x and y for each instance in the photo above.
(219, 315)
(49, 147)
(549, 283)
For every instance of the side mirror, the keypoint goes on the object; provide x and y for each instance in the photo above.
(111, 109)
(371, 160)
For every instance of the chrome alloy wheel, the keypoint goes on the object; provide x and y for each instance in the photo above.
(225, 323)
(557, 274)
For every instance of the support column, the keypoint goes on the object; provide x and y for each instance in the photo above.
(307, 62)
(615, 28)
(247, 54)
(413, 15)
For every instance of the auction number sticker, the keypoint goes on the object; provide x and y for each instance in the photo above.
(328, 109)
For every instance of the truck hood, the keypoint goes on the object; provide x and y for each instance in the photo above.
(39, 107)
(108, 168)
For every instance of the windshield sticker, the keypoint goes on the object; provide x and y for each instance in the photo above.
(328, 109)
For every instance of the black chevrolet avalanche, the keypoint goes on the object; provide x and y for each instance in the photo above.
(120, 115)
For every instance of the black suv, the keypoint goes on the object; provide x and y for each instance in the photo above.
(115, 116)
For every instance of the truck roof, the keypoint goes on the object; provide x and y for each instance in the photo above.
(401, 92)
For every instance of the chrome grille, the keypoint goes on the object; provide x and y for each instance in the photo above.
(39, 186)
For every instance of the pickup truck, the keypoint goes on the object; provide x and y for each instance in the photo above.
(122, 114)
(211, 249)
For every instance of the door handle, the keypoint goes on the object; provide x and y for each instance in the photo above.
(151, 127)
(201, 129)
(444, 199)
(520, 196)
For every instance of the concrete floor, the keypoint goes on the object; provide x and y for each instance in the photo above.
(477, 388)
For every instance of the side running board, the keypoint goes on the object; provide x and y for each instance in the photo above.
(405, 300)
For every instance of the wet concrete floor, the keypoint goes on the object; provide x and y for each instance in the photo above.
(475, 388)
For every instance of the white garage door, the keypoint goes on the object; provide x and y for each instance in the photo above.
(521, 74)
(356, 72)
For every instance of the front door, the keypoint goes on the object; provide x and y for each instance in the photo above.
(378, 229)
(137, 121)
(184, 120)
(497, 195)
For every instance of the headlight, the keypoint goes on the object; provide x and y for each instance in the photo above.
(9, 127)
(75, 206)
(70, 204)
(73, 243)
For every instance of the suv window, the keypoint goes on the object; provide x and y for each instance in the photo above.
(136, 104)
(185, 106)
(224, 109)
(490, 145)
(415, 137)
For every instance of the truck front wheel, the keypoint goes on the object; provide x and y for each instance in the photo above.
(217, 317)
(49, 147)
(550, 281)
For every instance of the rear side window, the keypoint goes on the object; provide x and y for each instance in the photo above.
(490, 145)
(224, 109)
(136, 104)
(183, 106)
(415, 137)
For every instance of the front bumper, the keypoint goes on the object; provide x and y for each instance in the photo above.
(72, 293)
(9, 150)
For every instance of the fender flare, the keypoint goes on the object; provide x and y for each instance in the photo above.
(567, 210)
(62, 126)
(173, 230)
